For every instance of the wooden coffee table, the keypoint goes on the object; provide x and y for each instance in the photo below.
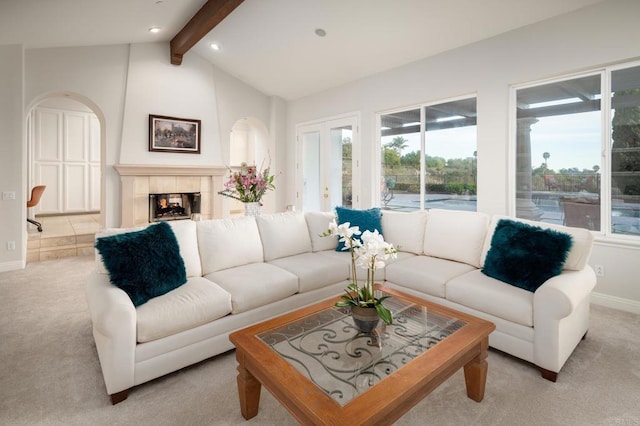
(323, 371)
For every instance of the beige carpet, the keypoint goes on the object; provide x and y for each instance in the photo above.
(50, 375)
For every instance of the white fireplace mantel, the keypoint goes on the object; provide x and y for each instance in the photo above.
(138, 181)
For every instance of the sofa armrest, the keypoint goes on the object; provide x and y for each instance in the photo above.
(559, 296)
(561, 316)
(114, 331)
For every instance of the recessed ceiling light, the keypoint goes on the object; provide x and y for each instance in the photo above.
(320, 32)
(154, 30)
(215, 46)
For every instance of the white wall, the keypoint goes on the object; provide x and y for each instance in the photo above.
(236, 101)
(601, 34)
(154, 86)
(129, 82)
(95, 75)
(12, 154)
(122, 84)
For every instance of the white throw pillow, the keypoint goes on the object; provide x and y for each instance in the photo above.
(226, 243)
(187, 236)
(283, 234)
(404, 230)
(318, 222)
(456, 235)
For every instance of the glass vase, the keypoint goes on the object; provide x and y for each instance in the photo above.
(252, 209)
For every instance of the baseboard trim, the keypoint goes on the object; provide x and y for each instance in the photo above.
(12, 266)
(614, 302)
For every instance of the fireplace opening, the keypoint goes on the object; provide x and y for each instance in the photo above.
(175, 206)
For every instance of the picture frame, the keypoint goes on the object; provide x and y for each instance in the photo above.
(172, 134)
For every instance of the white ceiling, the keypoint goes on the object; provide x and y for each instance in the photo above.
(271, 44)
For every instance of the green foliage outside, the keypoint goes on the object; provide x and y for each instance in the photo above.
(452, 176)
(625, 151)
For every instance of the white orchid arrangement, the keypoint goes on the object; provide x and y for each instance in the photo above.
(370, 252)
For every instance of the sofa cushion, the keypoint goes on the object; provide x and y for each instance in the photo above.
(366, 220)
(525, 256)
(227, 243)
(197, 302)
(485, 294)
(255, 285)
(455, 235)
(405, 230)
(187, 236)
(425, 274)
(381, 273)
(145, 264)
(318, 223)
(283, 234)
(314, 270)
(579, 253)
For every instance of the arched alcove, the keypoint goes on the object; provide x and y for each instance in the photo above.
(65, 150)
(249, 142)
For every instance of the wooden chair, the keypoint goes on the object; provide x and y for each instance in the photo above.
(581, 213)
(36, 194)
(550, 182)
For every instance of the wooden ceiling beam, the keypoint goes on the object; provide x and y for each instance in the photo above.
(210, 14)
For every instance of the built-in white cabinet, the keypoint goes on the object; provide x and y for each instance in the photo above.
(66, 158)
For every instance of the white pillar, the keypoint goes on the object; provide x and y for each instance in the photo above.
(525, 208)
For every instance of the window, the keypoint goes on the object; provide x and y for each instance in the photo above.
(428, 157)
(625, 151)
(572, 170)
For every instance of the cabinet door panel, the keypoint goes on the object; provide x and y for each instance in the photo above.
(75, 193)
(66, 158)
(48, 141)
(51, 176)
(75, 137)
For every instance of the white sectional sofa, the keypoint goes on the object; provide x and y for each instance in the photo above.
(245, 270)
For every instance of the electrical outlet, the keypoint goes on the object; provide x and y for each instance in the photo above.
(599, 270)
(9, 195)
(11, 245)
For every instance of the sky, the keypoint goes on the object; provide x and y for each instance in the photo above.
(571, 140)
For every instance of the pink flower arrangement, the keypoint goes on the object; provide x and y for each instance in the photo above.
(248, 185)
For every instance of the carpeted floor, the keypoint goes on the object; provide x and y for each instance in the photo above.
(50, 375)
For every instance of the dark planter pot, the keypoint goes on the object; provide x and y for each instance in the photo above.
(365, 319)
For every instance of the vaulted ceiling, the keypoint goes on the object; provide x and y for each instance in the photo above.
(273, 45)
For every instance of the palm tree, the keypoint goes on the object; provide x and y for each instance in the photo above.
(398, 144)
(546, 156)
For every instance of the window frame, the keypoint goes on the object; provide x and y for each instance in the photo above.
(605, 234)
(421, 107)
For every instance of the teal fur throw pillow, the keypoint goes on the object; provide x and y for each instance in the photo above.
(145, 264)
(524, 255)
(366, 220)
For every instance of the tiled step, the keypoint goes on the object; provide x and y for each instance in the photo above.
(62, 236)
(59, 247)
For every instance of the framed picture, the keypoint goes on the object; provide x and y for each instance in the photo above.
(170, 134)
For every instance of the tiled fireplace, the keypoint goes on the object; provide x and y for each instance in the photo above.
(138, 181)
